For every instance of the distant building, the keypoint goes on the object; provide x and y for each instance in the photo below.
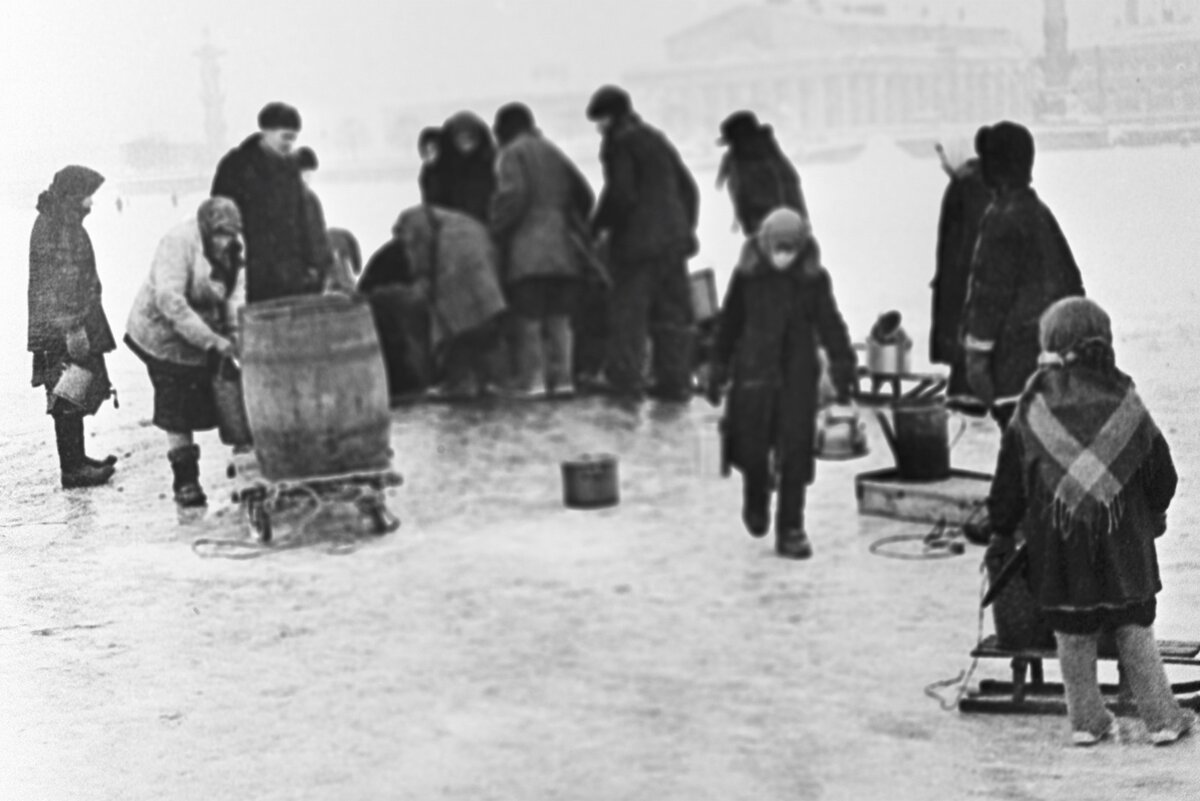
(831, 71)
(1147, 71)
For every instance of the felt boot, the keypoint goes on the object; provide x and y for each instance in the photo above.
(77, 470)
(185, 463)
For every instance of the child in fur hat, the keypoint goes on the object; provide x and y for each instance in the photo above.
(778, 309)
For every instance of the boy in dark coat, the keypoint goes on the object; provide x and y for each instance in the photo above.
(67, 324)
(649, 209)
(1084, 463)
(1022, 264)
(778, 309)
(760, 177)
(285, 253)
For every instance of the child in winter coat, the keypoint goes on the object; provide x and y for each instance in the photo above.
(1084, 459)
(778, 309)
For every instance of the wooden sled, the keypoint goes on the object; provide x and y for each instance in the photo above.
(1029, 692)
(259, 496)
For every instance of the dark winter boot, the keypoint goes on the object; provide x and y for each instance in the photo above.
(791, 541)
(185, 463)
(77, 472)
(756, 508)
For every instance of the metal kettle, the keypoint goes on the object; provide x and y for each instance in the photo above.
(841, 434)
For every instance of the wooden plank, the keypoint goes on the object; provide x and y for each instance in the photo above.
(955, 499)
(1176, 652)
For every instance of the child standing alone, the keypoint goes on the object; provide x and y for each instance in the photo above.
(778, 309)
(1084, 459)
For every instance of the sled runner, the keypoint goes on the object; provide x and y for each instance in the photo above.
(1029, 693)
(261, 498)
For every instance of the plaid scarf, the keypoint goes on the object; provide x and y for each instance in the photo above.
(1088, 433)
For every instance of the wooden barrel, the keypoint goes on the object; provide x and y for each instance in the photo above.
(315, 387)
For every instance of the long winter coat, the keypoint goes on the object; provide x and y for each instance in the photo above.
(184, 307)
(459, 182)
(1022, 264)
(539, 192)
(455, 264)
(760, 179)
(286, 252)
(65, 292)
(772, 322)
(963, 205)
(650, 203)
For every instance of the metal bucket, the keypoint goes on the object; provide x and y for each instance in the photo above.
(590, 481)
(920, 438)
(73, 385)
(232, 425)
(893, 358)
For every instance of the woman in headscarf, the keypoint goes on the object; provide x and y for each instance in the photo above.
(778, 309)
(464, 172)
(1084, 459)
(68, 329)
(182, 324)
(759, 175)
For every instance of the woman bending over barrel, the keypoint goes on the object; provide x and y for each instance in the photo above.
(183, 318)
(1084, 458)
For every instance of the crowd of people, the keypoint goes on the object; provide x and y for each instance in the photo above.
(513, 278)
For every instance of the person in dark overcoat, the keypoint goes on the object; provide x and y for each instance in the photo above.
(541, 201)
(759, 176)
(1087, 474)
(67, 324)
(778, 310)
(464, 172)
(286, 253)
(648, 210)
(1022, 264)
(963, 204)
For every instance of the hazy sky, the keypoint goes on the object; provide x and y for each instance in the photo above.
(80, 76)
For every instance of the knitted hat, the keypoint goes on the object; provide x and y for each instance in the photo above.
(786, 229)
(609, 101)
(278, 116)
